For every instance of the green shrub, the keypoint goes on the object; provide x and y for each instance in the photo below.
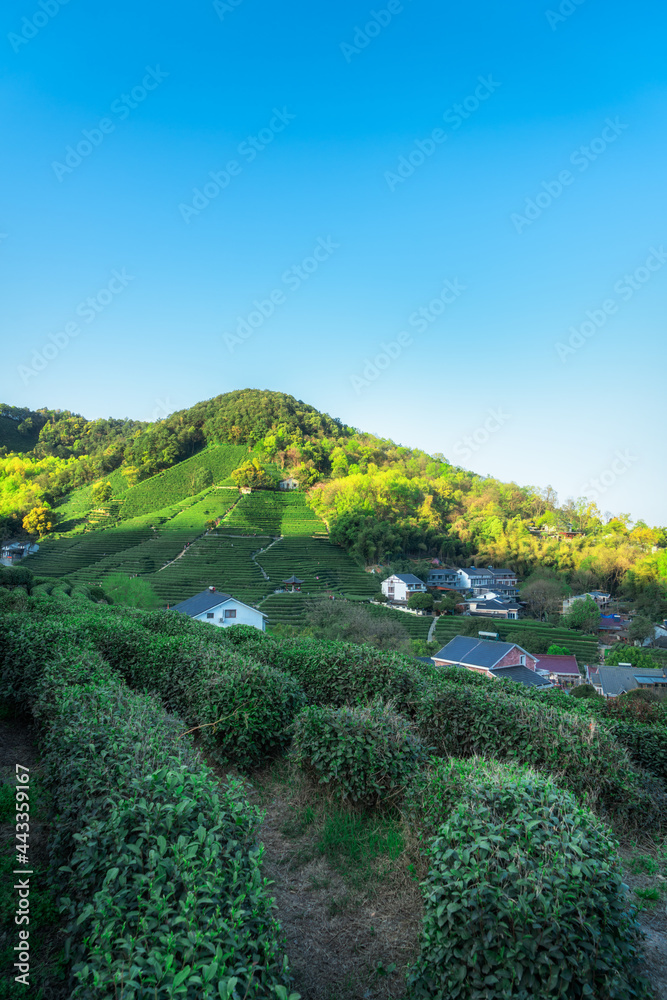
(646, 745)
(584, 691)
(525, 899)
(245, 707)
(343, 673)
(366, 754)
(462, 721)
(160, 869)
(436, 791)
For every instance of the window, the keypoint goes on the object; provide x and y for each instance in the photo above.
(523, 660)
(230, 614)
(209, 614)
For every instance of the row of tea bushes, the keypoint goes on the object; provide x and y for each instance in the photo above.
(524, 897)
(157, 864)
(582, 755)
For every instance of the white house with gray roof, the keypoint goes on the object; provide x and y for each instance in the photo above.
(398, 587)
(217, 608)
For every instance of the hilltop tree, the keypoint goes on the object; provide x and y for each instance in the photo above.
(101, 492)
(40, 520)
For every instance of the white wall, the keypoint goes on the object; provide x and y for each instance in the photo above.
(244, 615)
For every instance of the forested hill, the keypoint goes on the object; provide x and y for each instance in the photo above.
(381, 502)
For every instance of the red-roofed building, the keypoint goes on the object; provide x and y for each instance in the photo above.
(561, 670)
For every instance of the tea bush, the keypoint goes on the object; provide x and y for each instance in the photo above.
(163, 887)
(343, 673)
(366, 754)
(158, 868)
(436, 791)
(646, 745)
(525, 899)
(246, 707)
(581, 754)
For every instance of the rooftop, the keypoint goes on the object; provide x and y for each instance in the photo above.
(474, 652)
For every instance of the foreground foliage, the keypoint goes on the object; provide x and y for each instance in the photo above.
(525, 899)
(366, 755)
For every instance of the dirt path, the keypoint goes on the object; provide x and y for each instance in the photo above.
(261, 552)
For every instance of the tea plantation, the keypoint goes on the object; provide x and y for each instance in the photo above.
(519, 797)
(259, 540)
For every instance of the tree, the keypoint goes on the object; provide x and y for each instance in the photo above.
(101, 492)
(641, 628)
(583, 615)
(556, 650)
(254, 475)
(40, 520)
(620, 653)
(535, 644)
(542, 595)
(421, 602)
(131, 591)
(200, 479)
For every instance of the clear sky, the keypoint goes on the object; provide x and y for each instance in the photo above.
(443, 223)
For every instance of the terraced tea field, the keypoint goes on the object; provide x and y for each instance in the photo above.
(264, 512)
(417, 626)
(321, 565)
(171, 548)
(215, 560)
(181, 481)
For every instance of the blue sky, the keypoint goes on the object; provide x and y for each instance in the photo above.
(264, 195)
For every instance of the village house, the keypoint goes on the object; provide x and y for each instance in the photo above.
(398, 587)
(503, 582)
(217, 608)
(288, 484)
(492, 606)
(614, 681)
(561, 670)
(497, 660)
(599, 596)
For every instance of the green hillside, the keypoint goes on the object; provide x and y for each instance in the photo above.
(183, 480)
(261, 539)
(13, 440)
